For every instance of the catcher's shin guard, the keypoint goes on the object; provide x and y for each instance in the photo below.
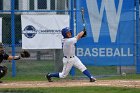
(3, 71)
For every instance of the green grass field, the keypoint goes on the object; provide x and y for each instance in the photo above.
(36, 70)
(72, 90)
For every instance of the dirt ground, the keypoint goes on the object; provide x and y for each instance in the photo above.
(71, 83)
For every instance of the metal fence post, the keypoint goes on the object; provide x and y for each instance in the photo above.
(138, 41)
(13, 36)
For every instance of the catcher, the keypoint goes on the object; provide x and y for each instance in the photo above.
(4, 56)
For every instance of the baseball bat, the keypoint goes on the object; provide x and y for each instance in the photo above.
(83, 19)
(84, 23)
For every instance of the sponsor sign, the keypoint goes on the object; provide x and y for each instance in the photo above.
(43, 31)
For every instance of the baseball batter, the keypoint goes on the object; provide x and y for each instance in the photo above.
(4, 56)
(69, 59)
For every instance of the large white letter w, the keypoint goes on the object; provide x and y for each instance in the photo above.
(96, 15)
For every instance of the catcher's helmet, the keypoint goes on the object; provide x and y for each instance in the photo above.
(65, 30)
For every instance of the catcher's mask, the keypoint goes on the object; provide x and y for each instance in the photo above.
(1, 48)
(65, 30)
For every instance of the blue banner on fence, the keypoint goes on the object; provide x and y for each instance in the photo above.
(110, 32)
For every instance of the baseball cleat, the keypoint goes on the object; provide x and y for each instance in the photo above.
(49, 78)
(92, 79)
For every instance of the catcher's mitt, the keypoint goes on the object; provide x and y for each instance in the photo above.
(25, 54)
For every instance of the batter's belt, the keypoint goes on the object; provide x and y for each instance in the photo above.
(69, 56)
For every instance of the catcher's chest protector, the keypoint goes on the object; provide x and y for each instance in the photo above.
(1, 58)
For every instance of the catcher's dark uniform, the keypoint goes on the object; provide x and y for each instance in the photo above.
(4, 56)
(3, 69)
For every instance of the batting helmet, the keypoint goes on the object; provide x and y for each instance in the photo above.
(65, 30)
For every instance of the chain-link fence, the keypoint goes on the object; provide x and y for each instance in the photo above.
(41, 61)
